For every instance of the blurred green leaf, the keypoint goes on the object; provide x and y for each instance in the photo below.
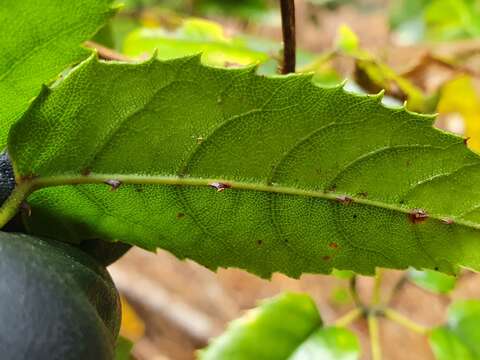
(123, 348)
(436, 19)
(347, 41)
(403, 11)
(192, 37)
(453, 19)
(285, 327)
(431, 280)
(446, 346)
(238, 8)
(343, 274)
(272, 331)
(460, 337)
(329, 344)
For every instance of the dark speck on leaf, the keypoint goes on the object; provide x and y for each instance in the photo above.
(417, 216)
(333, 245)
(326, 257)
(180, 215)
(436, 268)
(259, 242)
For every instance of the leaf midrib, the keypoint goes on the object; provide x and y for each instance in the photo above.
(125, 179)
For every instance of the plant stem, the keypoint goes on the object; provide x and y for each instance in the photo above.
(353, 291)
(13, 203)
(396, 288)
(349, 317)
(405, 322)
(376, 294)
(106, 53)
(374, 336)
(288, 30)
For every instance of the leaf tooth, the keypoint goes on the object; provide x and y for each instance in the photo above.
(379, 96)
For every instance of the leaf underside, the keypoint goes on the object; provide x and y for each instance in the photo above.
(316, 178)
(39, 39)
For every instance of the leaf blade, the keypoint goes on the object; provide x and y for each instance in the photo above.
(274, 330)
(312, 173)
(39, 40)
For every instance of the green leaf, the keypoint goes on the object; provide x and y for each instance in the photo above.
(123, 349)
(329, 344)
(446, 346)
(193, 37)
(272, 331)
(460, 338)
(433, 280)
(40, 38)
(312, 178)
(453, 19)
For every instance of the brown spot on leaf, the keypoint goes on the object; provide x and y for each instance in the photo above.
(86, 171)
(180, 215)
(417, 216)
(333, 245)
(115, 184)
(259, 242)
(465, 140)
(332, 188)
(326, 257)
(220, 186)
(344, 199)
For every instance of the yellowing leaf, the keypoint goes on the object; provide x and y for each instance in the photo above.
(459, 96)
(132, 327)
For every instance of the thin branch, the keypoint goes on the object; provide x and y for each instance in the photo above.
(288, 30)
(106, 53)
(374, 336)
(349, 317)
(399, 285)
(376, 294)
(353, 291)
(405, 322)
